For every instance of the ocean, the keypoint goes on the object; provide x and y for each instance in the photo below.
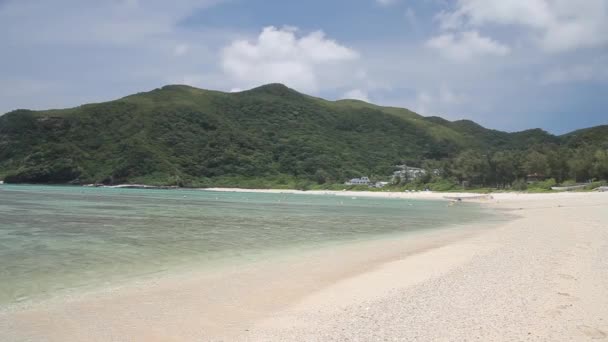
(55, 240)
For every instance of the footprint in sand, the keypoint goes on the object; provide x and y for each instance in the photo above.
(594, 333)
(567, 295)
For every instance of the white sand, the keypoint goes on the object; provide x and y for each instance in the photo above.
(541, 277)
(384, 194)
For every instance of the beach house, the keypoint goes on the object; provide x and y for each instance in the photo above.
(405, 172)
(380, 184)
(359, 181)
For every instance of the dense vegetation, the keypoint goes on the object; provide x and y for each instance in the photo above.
(545, 165)
(273, 136)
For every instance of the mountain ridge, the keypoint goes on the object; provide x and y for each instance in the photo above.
(178, 134)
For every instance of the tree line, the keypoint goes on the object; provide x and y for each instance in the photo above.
(513, 168)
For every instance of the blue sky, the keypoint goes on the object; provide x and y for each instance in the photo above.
(507, 64)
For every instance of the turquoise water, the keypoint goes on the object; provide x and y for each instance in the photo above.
(55, 239)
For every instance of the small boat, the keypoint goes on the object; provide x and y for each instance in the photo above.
(568, 188)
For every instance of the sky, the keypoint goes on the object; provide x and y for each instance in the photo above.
(506, 64)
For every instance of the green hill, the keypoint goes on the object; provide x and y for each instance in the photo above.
(597, 136)
(267, 136)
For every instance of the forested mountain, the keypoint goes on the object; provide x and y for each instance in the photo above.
(267, 136)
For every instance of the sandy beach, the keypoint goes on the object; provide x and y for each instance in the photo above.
(541, 276)
(380, 194)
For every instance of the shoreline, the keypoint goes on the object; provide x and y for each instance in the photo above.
(429, 195)
(546, 259)
(266, 259)
(223, 291)
(414, 194)
(540, 277)
(420, 195)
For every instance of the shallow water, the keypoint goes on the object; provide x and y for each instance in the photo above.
(55, 239)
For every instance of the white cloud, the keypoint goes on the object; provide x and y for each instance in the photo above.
(480, 12)
(93, 22)
(280, 55)
(555, 25)
(64, 53)
(101, 50)
(466, 45)
(356, 94)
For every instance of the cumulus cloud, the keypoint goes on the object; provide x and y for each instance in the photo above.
(89, 51)
(281, 55)
(93, 22)
(356, 94)
(93, 51)
(480, 12)
(556, 25)
(466, 45)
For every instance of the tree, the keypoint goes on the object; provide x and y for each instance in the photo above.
(471, 166)
(558, 164)
(580, 165)
(599, 168)
(505, 167)
(436, 168)
(536, 163)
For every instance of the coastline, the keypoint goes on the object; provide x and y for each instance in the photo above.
(541, 277)
(430, 195)
(419, 195)
(538, 277)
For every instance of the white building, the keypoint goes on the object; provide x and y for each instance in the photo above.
(359, 181)
(381, 184)
(408, 172)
